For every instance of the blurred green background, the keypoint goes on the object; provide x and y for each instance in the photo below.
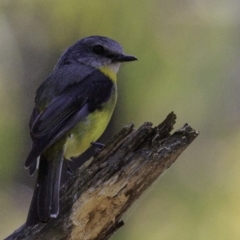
(189, 57)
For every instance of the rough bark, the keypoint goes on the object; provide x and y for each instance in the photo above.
(100, 192)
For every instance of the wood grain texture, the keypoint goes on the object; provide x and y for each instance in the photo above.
(101, 191)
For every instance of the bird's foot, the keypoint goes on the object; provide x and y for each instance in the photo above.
(69, 169)
(98, 146)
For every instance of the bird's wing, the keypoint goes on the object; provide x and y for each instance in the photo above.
(66, 110)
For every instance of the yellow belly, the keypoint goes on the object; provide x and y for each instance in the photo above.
(89, 130)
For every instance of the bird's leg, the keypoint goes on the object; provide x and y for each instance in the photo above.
(69, 169)
(98, 146)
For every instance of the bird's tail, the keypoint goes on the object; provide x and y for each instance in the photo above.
(45, 201)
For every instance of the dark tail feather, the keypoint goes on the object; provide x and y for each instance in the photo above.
(45, 201)
(56, 180)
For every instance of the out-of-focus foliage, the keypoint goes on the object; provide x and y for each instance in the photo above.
(188, 55)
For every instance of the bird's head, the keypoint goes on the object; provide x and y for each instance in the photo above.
(95, 51)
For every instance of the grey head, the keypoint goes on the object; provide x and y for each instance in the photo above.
(95, 51)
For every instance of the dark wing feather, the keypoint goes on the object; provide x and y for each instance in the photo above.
(65, 111)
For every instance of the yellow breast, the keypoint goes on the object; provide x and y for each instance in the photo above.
(89, 129)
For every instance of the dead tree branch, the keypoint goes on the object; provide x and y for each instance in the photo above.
(97, 195)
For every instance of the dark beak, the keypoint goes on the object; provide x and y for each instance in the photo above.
(124, 58)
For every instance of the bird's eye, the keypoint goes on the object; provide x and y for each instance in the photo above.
(98, 49)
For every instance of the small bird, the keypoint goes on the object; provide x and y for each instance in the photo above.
(72, 109)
